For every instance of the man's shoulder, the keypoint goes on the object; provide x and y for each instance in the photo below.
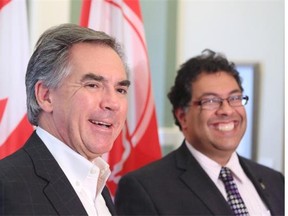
(18, 162)
(15, 166)
(258, 169)
(15, 158)
(156, 168)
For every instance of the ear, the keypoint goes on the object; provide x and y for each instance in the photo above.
(42, 94)
(181, 117)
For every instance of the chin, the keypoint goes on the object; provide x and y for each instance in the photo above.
(230, 147)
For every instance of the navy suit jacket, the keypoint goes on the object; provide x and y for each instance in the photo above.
(32, 183)
(177, 185)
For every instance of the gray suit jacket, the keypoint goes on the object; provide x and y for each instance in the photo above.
(177, 185)
(32, 183)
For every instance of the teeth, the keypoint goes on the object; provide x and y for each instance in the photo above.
(101, 123)
(226, 127)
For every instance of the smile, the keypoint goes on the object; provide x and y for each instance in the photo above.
(102, 124)
(225, 126)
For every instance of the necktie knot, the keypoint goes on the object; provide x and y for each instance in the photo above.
(226, 174)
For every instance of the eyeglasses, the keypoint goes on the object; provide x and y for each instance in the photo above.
(216, 102)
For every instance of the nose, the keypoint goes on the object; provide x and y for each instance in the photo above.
(110, 100)
(225, 108)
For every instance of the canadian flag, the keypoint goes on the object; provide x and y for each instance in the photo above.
(138, 144)
(14, 53)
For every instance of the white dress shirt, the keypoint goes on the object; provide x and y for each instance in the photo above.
(249, 194)
(87, 178)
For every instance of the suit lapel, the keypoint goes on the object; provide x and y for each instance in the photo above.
(199, 182)
(58, 190)
(107, 197)
(258, 183)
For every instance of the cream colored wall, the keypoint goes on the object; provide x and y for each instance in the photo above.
(46, 13)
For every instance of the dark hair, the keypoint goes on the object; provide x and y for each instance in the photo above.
(208, 62)
(50, 61)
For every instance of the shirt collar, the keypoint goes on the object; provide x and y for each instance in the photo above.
(104, 173)
(237, 170)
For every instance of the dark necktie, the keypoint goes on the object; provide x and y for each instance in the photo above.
(234, 199)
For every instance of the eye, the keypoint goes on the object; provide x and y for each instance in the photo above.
(235, 98)
(123, 91)
(92, 85)
(211, 101)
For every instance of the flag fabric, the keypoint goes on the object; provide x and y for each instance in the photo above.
(14, 53)
(138, 143)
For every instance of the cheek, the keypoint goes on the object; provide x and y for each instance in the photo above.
(200, 119)
(124, 109)
(85, 100)
(77, 109)
(243, 116)
(244, 120)
(201, 123)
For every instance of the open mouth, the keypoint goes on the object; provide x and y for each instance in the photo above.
(226, 126)
(102, 124)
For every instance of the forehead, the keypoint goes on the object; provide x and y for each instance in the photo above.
(220, 83)
(97, 58)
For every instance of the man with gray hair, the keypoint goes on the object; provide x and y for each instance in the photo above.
(77, 84)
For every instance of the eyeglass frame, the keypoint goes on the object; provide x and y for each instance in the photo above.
(244, 101)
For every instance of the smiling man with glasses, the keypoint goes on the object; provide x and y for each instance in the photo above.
(205, 175)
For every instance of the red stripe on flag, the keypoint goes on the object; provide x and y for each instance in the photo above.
(17, 138)
(3, 103)
(135, 6)
(85, 12)
(3, 3)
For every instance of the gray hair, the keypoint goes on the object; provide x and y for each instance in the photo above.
(50, 60)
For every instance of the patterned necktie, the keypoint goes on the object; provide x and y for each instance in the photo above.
(234, 199)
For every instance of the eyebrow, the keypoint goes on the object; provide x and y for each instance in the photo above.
(99, 78)
(214, 94)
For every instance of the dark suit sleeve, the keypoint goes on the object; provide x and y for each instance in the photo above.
(131, 198)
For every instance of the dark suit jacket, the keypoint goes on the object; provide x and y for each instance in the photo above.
(32, 183)
(177, 185)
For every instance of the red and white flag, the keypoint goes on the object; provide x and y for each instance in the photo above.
(138, 144)
(14, 53)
